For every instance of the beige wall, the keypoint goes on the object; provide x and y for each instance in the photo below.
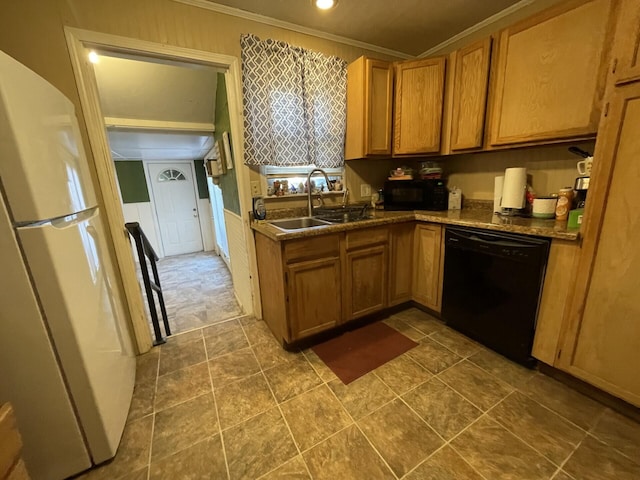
(550, 168)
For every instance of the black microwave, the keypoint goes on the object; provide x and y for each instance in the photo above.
(428, 194)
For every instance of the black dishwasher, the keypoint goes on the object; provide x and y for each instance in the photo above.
(492, 287)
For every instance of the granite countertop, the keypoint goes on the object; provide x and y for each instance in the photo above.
(476, 218)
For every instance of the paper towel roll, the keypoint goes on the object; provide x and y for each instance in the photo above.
(498, 182)
(514, 188)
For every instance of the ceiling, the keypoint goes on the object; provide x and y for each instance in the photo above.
(409, 27)
(156, 110)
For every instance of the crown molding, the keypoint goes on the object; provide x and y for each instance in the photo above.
(236, 12)
(478, 26)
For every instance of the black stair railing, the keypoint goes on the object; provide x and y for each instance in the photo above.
(146, 252)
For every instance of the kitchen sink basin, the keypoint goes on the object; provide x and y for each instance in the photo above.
(352, 213)
(298, 223)
(345, 217)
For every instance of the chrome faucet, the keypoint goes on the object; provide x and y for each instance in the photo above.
(309, 204)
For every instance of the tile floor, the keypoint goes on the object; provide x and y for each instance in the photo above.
(197, 289)
(226, 402)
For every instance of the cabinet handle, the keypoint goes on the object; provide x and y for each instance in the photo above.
(614, 65)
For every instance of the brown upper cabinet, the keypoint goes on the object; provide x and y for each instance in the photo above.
(369, 106)
(548, 75)
(467, 86)
(419, 100)
(627, 55)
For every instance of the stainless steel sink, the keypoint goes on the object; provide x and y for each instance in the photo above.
(344, 214)
(298, 223)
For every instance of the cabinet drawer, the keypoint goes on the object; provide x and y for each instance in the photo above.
(310, 248)
(367, 236)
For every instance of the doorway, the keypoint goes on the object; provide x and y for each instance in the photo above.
(175, 204)
(242, 255)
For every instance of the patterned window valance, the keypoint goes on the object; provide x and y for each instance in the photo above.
(294, 105)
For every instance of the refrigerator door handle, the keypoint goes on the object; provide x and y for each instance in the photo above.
(74, 219)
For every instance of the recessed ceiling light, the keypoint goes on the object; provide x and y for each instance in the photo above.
(94, 57)
(325, 4)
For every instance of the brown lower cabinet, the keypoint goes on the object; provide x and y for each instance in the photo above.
(313, 296)
(400, 262)
(314, 284)
(428, 263)
(365, 272)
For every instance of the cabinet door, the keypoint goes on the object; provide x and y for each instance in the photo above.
(400, 263)
(470, 85)
(419, 101)
(427, 269)
(369, 105)
(627, 48)
(549, 75)
(313, 296)
(378, 94)
(602, 339)
(365, 281)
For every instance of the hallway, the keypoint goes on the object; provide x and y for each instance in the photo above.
(198, 291)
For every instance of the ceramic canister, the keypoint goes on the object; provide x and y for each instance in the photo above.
(544, 207)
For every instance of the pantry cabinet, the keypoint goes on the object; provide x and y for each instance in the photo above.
(418, 104)
(365, 272)
(369, 108)
(400, 262)
(599, 337)
(467, 87)
(548, 75)
(602, 337)
(428, 266)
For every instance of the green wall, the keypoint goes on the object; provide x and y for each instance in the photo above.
(228, 182)
(133, 186)
(201, 179)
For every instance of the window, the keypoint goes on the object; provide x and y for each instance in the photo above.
(170, 174)
(288, 181)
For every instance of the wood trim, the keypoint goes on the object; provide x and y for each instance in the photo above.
(117, 122)
(447, 109)
(87, 88)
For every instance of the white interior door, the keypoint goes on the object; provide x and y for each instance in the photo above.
(215, 195)
(175, 200)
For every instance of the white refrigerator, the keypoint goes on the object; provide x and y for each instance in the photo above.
(66, 356)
